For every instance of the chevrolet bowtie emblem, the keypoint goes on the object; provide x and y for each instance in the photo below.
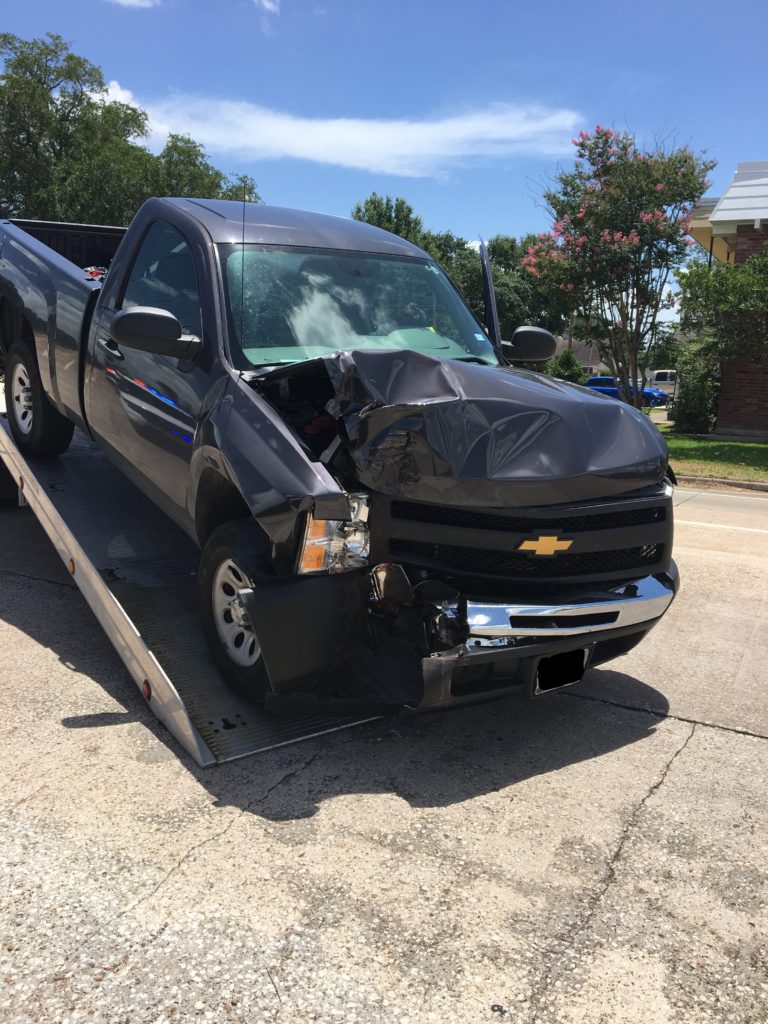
(545, 545)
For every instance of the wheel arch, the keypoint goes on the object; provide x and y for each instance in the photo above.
(14, 327)
(217, 501)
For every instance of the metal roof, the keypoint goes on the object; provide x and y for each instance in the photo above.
(230, 221)
(746, 198)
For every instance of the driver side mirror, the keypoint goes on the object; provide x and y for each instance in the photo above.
(529, 344)
(155, 331)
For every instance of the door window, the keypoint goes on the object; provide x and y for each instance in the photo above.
(163, 276)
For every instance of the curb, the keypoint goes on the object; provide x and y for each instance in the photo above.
(750, 485)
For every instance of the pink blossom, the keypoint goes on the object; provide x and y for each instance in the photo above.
(690, 241)
(583, 136)
(660, 187)
(646, 218)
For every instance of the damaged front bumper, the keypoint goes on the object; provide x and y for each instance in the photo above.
(543, 647)
(319, 652)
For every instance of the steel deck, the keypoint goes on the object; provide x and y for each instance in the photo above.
(137, 572)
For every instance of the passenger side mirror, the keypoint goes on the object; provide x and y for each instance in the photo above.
(529, 344)
(153, 330)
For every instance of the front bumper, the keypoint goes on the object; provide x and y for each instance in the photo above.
(508, 644)
(321, 659)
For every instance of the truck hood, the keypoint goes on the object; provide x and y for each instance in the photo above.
(460, 433)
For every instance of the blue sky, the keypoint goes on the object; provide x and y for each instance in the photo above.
(463, 108)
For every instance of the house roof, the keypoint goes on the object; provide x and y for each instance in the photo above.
(714, 221)
(746, 198)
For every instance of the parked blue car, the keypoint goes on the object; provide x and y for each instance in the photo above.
(608, 386)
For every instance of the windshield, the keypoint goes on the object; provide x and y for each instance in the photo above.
(287, 305)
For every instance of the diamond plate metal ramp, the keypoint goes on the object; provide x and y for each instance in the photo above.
(137, 571)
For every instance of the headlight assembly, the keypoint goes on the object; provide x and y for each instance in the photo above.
(337, 545)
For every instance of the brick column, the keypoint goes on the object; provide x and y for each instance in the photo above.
(750, 241)
(743, 404)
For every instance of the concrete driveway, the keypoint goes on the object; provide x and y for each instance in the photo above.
(599, 855)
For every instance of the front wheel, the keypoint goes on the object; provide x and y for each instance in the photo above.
(38, 429)
(230, 559)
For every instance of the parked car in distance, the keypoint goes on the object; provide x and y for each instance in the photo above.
(609, 386)
(664, 380)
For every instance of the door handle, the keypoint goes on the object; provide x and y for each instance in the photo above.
(110, 347)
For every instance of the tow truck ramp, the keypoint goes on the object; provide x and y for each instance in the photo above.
(137, 571)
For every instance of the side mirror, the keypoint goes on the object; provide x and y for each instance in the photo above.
(529, 344)
(153, 330)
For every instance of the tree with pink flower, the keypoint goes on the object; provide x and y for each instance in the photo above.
(620, 223)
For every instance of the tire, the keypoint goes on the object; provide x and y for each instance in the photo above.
(38, 429)
(234, 553)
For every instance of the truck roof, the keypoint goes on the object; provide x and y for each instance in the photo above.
(277, 225)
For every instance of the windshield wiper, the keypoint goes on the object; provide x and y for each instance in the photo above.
(472, 359)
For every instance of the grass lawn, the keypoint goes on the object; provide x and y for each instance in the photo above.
(703, 455)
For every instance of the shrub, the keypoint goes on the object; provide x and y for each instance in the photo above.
(566, 367)
(698, 386)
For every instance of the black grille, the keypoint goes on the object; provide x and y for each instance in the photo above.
(513, 563)
(417, 512)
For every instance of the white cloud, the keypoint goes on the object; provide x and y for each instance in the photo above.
(409, 148)
(136, 3)
(116, 92)
(270, 6)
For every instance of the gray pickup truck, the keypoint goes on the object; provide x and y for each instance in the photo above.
(369, 480)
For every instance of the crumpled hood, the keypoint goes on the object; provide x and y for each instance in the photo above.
(465, 434)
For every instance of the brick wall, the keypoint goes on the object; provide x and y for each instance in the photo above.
(749, 242)
(743, 405)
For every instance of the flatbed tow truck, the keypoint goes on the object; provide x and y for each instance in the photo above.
(134, 567)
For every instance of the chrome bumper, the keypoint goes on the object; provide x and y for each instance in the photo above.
(626, 605)
(518, 637)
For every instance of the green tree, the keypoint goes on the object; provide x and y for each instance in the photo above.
(727, 305)
(620, 227)
(391, 214)
(518, 299)
(566, 367)
(69, 152)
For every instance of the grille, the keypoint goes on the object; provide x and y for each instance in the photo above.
(512, 563)
(416, 512)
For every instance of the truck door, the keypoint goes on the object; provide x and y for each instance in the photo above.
(144, 408)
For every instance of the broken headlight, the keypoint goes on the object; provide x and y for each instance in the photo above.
(337, 545)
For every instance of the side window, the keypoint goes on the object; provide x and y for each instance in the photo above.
(661, 377)
(163, 276)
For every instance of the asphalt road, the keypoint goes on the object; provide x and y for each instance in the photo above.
(597, 855)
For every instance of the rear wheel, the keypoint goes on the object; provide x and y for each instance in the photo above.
(38, 429)
(231, 558)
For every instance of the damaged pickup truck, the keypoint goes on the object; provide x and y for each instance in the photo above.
(370, 482)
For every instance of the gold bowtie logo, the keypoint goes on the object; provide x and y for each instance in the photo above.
(545, 545)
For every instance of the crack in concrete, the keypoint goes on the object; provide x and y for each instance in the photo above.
(287, 776)
(580, 926)
(66, 584)
(212, 839)
(663, 715)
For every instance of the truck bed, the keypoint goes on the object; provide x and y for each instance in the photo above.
(85, 245)
(137, 571)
